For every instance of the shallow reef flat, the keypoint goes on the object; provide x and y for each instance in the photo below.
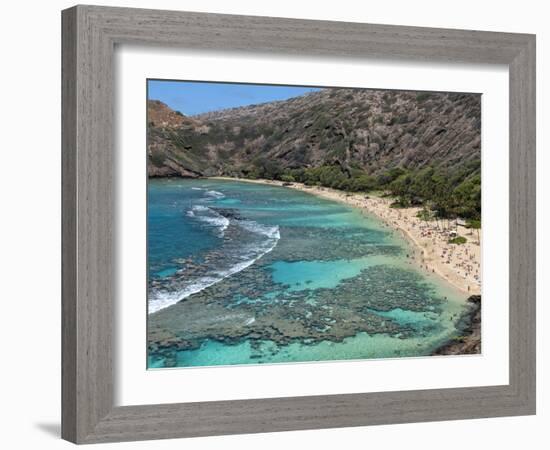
(332, 285)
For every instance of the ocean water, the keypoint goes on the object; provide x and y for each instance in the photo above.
(242, 273)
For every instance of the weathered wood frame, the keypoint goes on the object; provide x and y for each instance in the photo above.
(89, 37)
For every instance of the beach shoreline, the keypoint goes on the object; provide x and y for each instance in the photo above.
(457, 264)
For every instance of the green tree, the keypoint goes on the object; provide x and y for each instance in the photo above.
(287, 178)
(476, 225)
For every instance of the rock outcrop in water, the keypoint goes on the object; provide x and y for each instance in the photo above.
(469, 342)
(351, 128)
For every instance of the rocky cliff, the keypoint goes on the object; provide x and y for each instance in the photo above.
(362, 129)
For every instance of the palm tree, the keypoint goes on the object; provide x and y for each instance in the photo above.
(476, 225)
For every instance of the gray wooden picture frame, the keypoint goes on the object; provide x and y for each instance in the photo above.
(90, 34)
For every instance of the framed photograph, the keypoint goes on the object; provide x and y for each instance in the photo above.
(278, 224)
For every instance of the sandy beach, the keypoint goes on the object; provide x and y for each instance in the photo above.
(460, 265)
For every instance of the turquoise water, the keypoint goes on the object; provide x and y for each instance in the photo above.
(244, 273)
(302, 275)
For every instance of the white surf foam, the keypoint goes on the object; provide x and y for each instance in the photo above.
(210, 217)
(161, 299)
(271, 232)
(215, 194)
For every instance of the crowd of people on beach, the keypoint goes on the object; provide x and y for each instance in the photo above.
(458, 263)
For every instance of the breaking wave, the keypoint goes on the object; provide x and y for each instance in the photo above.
(215, 194)
(210, 217)
(235, 255)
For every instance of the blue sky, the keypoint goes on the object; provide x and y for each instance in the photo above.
(195, 98)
